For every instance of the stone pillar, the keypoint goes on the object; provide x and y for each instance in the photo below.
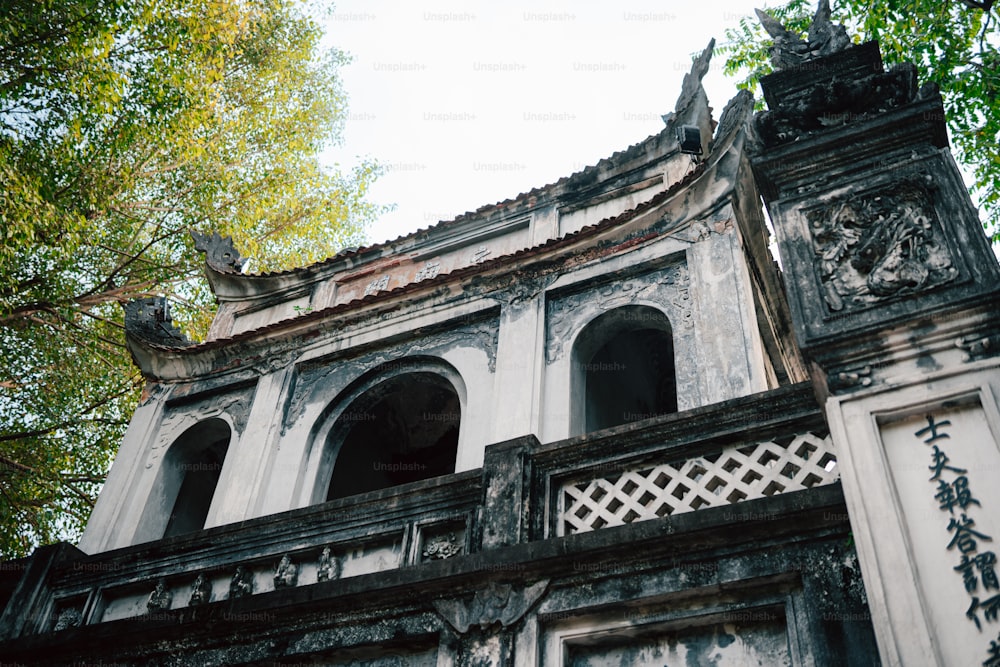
(253, 461)
(520, 358)
(507, 501)
(893, 292)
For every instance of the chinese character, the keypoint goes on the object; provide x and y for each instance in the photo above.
(992, 607)
(482, 252)
(430, 270)
(965, 535)
(956, 493)
(994, 658)
(986, 562)
(941, 463)
(932, 428)
(377, 285)
(968, 576)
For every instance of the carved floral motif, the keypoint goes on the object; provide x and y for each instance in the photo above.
(69, 618)
(319, 376)
(873, 247)
(178, 418)
(442, 548)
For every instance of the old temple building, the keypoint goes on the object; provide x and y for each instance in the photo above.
(592, 424)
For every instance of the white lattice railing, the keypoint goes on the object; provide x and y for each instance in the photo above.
(730, 476)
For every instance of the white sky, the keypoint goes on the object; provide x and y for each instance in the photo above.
(470, 103)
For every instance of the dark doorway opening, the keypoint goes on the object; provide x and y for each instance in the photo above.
(402, 430)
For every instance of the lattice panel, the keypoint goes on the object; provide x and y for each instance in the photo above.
(730, 476)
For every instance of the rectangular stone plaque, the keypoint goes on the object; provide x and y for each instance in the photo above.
(945, 467)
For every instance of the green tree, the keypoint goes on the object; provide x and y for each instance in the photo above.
(954, 43)
(123, 124)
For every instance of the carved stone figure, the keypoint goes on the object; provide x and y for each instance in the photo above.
(287, 573)
(329, 566)
(160, 598)
(442, 548)
(220, 253)
(872, 247)
(69, 618)
(201, 591)
(241, 584)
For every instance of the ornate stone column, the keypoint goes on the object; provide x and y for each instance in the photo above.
(894, 295)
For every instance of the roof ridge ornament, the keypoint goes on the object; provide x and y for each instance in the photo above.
(790, 50)
(691, 86)
(220, 252)
(148, 319)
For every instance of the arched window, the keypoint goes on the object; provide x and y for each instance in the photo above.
(403, 429)
(183, 491)
(623, 369)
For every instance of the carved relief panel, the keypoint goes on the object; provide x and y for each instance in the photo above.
(878, 249)
(879, 245)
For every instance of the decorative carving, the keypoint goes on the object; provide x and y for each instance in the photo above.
(160, 598)
(497, 603)
(850, 85)
(377, 285)
(790, 50)
(480, 334)
(735, 114)
(691, 85)
(480, 255)
(669, 287)
(979, 348)
(149, 320)
(442, 548)
(521, 289)
(329, 566)
(241, 584)
(286, 574)
(430, 270)
(878, 246)
(851, 380)
(835, 102)
(220, 253)
(201, 591)
(180, 415)
(69, 618)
